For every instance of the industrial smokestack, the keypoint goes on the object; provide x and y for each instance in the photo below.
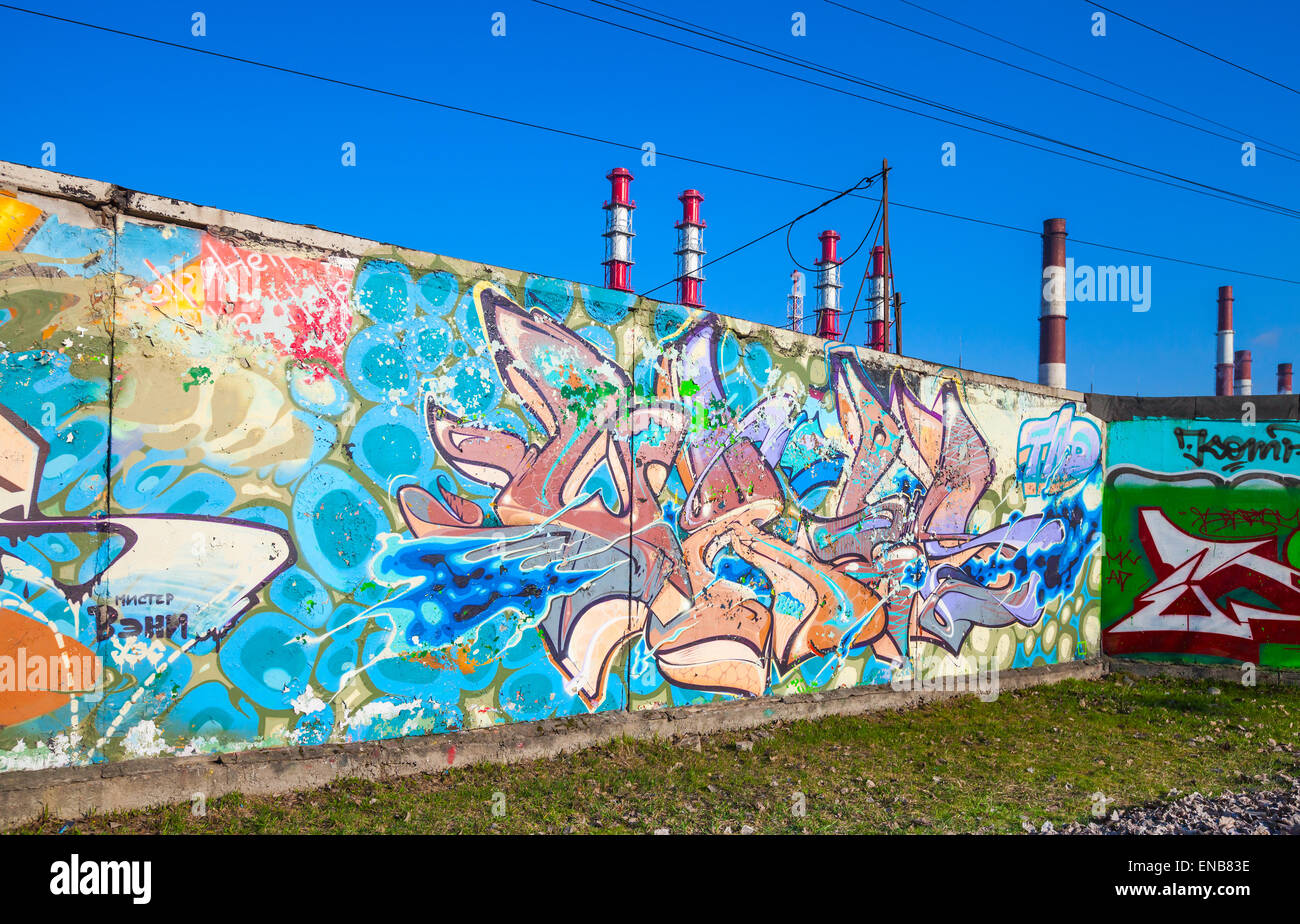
(1284, 378)
(618, 231)
(794, 302)
(1241, 379)
(878, 336)
(1051, 313)
(690, 251)
(1223, 370)
(828, 288)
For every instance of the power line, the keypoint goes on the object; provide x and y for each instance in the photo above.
(721, 37)
(1197, 48)
(522, 123)
(861, 283)
(1056, 80)
(633, 147)
(861, 243)
(1086, 73)
(1081, 242)
(724, 38)
(860, 184)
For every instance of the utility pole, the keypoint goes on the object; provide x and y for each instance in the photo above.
(889, 260)
(880, 275)
(898, 324)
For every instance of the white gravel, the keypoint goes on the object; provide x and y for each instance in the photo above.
(1274, 810)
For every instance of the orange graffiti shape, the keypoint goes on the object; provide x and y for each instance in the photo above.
(23, 639)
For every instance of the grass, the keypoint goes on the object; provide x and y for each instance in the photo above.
(960, 766)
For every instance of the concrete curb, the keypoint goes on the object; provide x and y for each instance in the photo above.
(71, 792)
(1226, 673)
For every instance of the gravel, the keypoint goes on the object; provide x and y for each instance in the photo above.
(1274, 810)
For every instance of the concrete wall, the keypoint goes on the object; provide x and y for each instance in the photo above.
(289, 487)
(1202, 524)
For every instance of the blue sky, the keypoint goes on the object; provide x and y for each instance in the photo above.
(221, 133)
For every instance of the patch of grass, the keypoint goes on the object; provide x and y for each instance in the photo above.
(958, 766)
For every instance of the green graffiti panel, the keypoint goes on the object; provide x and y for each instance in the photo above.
(1202, 526)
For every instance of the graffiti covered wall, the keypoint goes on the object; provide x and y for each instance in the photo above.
(257, 493)
(1202, 525)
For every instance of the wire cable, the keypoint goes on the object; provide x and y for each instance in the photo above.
(1191, 185)
(1197, 48)
(861, 284)
(522, 123)
(1078, 70)
(813, 269)
(860, 184)
(582, 136)
(1057, 80)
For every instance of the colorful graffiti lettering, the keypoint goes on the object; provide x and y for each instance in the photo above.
(748, 580)
(290, 499)
(1211, 597)
(1206, 565)
(1057, 452)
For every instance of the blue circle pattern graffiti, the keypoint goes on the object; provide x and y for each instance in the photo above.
(424, 337)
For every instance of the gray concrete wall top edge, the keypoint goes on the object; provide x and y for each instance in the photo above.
(1114, 408)
(974, 377)
(96, 194)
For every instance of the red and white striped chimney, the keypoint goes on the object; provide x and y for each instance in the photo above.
(618, 231)
(1223, 369)
(690, 251)
(878, 338)
(1051, 311)
(1241, 379)
(828, 288)
(1284, 378)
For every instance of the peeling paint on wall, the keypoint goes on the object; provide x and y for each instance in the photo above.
(289, 498)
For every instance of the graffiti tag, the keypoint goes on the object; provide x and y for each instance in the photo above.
(1210, 597)
(1055, 453)
(1236, 452)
